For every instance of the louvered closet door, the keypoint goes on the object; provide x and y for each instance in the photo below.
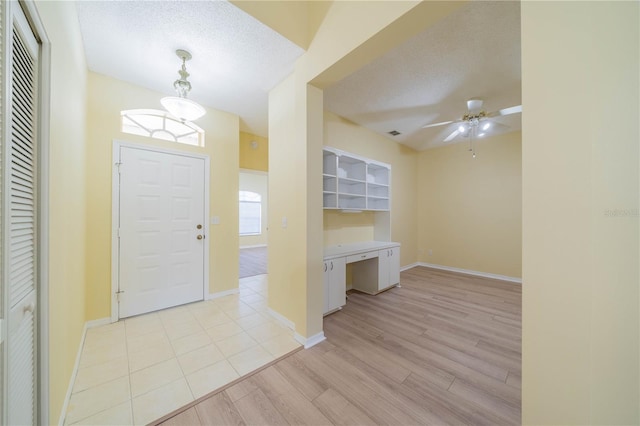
(20, 223)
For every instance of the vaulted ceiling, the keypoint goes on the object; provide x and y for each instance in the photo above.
(472, 53)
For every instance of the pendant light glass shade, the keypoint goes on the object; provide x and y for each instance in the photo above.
(179, 106)
(183, 108)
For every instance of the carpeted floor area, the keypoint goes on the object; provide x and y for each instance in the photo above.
(253, 261)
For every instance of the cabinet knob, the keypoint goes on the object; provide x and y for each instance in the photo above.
(332, 265)
(325, 266)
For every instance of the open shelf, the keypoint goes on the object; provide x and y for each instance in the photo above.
(329, 183)
(329, 163)
(376, 190)
(352, 202)
(330, 200)
(378, 174)
(352, 168)
(351, 182)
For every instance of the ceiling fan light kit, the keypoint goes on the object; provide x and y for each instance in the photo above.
(474, 123)
(179, 106)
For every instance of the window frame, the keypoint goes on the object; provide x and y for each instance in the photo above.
(254, 202)
(132, 118)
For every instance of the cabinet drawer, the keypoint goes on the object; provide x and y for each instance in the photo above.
(362, 256)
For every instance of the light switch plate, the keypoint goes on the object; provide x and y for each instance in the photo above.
(215, 220)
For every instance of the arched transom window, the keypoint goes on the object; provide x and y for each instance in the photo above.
(161, 125)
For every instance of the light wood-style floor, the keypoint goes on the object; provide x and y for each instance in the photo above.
(443, 349)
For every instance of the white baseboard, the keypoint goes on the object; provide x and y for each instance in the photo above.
(253, 246)
(412, 265)
(282, 319)
(76, 366)
(308, 342)
(219, 294)
(304, 341)
(97, 323)
(471, 272)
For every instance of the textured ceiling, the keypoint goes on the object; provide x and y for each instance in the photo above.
(236, 59)
(473, 53)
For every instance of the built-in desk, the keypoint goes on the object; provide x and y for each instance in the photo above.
(375, 267)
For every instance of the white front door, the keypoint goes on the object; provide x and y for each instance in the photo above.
(161, 229)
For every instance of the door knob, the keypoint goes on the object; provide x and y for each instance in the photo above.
(199, 237)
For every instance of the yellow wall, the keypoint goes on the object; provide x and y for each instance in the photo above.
(107, 97)
(295, 157)
(67, 177)
(295, 254)
(345, 228)
(470, 209)
(350, 227)
(254, 159)
(580, 153)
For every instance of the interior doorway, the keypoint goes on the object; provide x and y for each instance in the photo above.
(253, 207)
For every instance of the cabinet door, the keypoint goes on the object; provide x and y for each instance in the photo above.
(394, 266)
(383, 269)
(337, 283)
(327, 278)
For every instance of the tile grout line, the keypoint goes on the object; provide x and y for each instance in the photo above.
(126, 348)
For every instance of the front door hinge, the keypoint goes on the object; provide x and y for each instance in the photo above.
(118, 164)
(118, 293)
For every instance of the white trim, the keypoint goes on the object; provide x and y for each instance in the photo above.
(411, 265)
(282, 319)
(115, 225)
(471, 272)
(254, 246)
(98, 322)
(72, 379)
(44, 108)
(76, 366)
(211, 296)
(308, 342)
(254, 172)
(115, 209)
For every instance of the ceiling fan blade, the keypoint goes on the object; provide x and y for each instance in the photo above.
(506, 111)
(452, 136)
(437, 124)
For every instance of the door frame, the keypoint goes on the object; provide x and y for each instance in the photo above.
(115, 212)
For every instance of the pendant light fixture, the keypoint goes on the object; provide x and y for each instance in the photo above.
(179, 106)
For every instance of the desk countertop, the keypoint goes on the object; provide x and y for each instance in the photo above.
(341, 250)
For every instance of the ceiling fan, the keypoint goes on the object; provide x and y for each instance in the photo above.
(475, 122)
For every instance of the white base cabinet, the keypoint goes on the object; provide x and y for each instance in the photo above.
(388, 267)
(335, 285)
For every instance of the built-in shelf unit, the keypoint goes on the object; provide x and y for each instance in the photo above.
(352, 182)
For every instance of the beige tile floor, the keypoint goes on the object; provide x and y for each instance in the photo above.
(137, 370)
